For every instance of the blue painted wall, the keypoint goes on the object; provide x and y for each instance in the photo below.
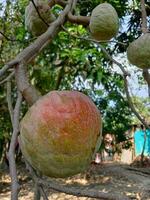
(139, 142)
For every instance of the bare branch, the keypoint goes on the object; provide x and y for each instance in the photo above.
(8, 78)
(132, 105)
(28, 91)
(43, 193)
(11, 153)
(73, 5)
(146, 76)
(12, 63)
(144, 17)
(84, 20)
(9, 101)
(126, 73)
(81, 191)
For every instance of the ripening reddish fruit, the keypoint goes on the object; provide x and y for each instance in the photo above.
(60, 133)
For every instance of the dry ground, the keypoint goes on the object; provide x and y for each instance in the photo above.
(115, 178)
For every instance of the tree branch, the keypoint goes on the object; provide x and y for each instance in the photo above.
(132, 105)
(9, 101)
(11, 153)
(84, 20)
(8, 78)
(81, 191)
(144, 17)
(146, 76)
(28, 91)
(7, 66)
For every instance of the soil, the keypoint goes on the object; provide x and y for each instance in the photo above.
(116, 178)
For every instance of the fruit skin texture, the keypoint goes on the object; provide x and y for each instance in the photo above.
(138, 52)
(60, 133)
(33, 22)
(104, 22)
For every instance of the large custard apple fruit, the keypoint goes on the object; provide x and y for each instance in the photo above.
(138, 52)
(104, 22)
(60, 133)
(33, 22)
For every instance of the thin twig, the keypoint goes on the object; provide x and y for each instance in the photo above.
(126, 73)
(11, 153)
(132, 105)
(9, 101)
(146, 76)
(12, 63)
(7, 38)
(43, 193)
(8, 78)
